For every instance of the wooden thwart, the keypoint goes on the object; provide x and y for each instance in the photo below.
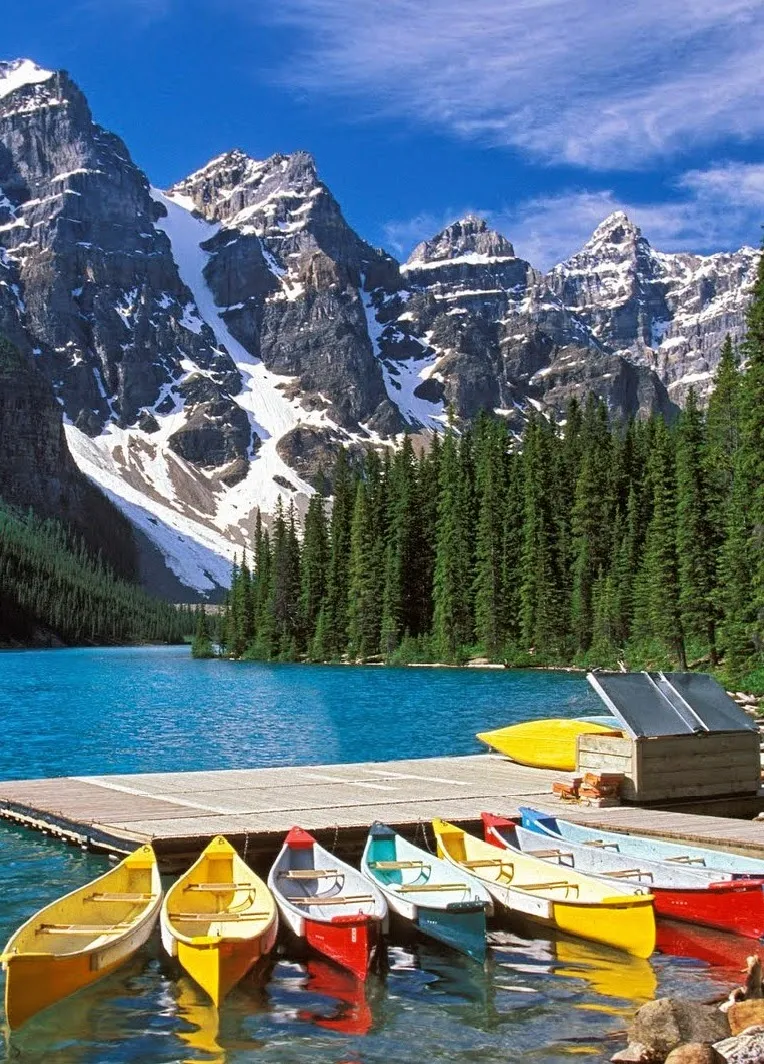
(90, 930)
(120, 897)
(685, 859)
(409, 888)
(485, 863)
(548, 853)
(311, 873)
(217, 918)
(626, 872)
(602, 843)
(553, 885)
(219, 888)
(337, 899)
(390, 866)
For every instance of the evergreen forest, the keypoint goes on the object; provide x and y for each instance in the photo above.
(588, 542)
(54, 590)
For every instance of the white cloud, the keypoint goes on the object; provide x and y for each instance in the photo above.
(717, 209)
(602, 85)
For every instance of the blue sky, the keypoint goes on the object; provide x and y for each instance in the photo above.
(542, 115)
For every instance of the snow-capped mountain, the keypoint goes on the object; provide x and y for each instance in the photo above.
(212, 345)
(670, 313)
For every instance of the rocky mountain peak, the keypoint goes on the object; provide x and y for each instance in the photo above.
(616, 233)
(469, 236)
(17, 73)
(234, 182)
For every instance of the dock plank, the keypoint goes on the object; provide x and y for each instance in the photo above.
(181, 810)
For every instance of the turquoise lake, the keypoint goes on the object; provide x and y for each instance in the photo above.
(75, 712)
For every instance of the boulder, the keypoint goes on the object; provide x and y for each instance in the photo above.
(634, 1053)
(747, 1048)
(745, 1014)
(694, 1053)
(664, 1024)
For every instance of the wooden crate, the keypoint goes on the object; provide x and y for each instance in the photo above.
(676, 766)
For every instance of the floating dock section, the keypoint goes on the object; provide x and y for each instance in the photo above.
(179, 811)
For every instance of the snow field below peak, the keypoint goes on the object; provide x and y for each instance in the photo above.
(20, 72)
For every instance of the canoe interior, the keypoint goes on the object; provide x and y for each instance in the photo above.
(554, 895)
(407, 872)
(317, 886)
(452, 911)
(219, 897)
(603, 852)
(97, 914)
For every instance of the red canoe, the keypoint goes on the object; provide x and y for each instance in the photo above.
(694, 895)
(328, 904)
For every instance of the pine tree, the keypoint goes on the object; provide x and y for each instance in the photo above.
(696, 546)
(660, 617)
(750, 459)
(452, 620)
(591, 522)
(364, 603)
(284, 603)
(722, 433)
(336, 603)
(491, 484)
(314, 561)
(540, 586)
(202, 644)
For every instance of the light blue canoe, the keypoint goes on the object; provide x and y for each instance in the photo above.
(640, 847)
(440, 901)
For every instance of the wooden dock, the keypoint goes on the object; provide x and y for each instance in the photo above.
(179, 811)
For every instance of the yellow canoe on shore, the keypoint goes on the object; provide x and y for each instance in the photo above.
(543, 743)
(81, 937)
(219, 919)
(554, 895)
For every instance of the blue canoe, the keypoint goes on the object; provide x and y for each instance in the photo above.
(440, 901)
(641, 847)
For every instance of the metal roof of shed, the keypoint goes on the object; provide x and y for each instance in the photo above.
(674, 703)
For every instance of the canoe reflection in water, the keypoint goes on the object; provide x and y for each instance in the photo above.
(352, 1013)
(716, 948)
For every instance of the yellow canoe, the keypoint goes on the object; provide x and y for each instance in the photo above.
(543, 743)
(83, 936)
(219, 919)
(554, 895)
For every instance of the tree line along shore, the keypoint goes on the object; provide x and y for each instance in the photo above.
(586, 543)
(54, 591)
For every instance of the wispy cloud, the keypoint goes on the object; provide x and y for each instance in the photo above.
(601, 85)
(720, 208)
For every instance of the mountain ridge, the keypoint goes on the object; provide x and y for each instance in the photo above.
(213, 345)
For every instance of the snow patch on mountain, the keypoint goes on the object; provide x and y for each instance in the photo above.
(20, 72)
(199, 556)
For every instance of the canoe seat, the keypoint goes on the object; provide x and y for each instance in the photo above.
(120, 897)
(556, 884)
(310, 873)
(337, 899)
(82, 929)
(486, 863)
(548, 853)
(602, 843)
(391, 866)
(219, 888)
(410, 887)
(624, 873)
(686, 859)
(210, 918)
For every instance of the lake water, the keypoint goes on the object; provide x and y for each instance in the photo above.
(537, 1001)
